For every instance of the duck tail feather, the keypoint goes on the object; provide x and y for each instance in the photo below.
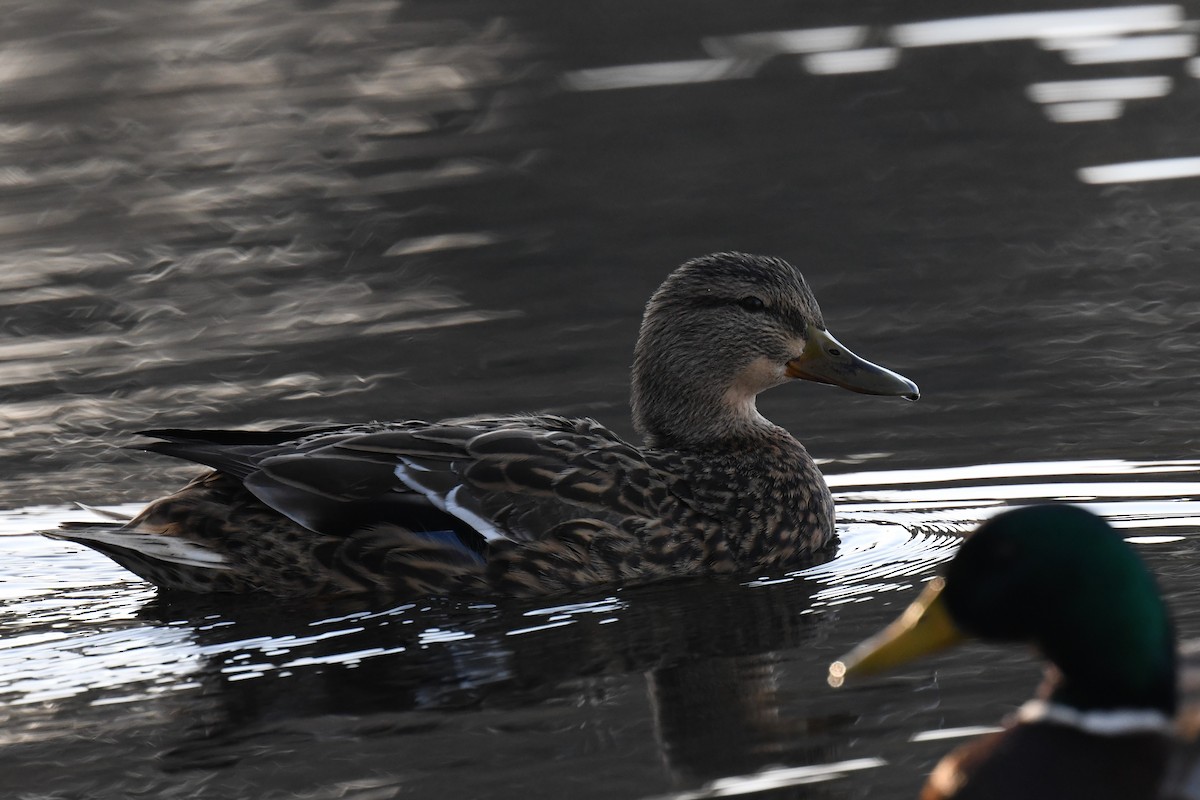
(103, 513)
(110, 537)
(236, 461)
(227, 438)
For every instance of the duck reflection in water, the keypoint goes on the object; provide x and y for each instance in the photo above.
(704, 657)
(531, 504)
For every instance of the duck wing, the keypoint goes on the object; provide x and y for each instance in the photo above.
(486, 479)
(518, 477)
(235, 452)
(300, 474)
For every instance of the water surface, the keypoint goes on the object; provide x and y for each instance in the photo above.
(255, 213)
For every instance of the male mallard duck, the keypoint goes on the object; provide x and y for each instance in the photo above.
(535, 503)
(1063, 579)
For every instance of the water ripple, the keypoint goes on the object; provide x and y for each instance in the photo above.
(73, 622)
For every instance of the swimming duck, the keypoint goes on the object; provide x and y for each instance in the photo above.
(1062, 579)
(527, 504)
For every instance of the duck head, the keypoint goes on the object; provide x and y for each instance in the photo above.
(723, 328)
(1056, 576)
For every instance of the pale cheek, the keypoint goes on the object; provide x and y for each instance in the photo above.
(761, 374)
(796, 346)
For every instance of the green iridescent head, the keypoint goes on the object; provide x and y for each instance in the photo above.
(1057, 576)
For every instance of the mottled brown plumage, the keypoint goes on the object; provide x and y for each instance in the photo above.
(528, 504)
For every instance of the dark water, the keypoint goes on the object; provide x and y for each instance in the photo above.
(244, 213)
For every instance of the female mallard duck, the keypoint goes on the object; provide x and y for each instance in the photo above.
(528, 504)
(1059, 577)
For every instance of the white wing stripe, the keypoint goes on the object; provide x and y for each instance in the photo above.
(448, 503)
(485, 527)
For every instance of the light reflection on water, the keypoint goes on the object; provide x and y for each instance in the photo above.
(72, 619)
(774, 779)
(1098, 36)
(1084, 36)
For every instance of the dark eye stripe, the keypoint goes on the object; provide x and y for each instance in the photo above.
(752, 304)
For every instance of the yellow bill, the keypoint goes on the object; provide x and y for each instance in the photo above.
(925, 627)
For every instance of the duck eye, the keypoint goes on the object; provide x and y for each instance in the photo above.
(752, 304)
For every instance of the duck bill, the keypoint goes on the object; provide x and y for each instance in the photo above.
(826, 360)
(925, 627)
